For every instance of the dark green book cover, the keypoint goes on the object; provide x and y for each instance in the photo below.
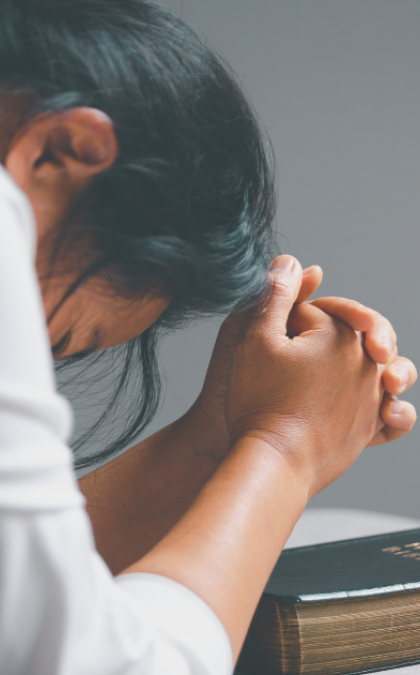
(385, 563)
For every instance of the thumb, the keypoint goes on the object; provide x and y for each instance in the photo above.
(285, 280)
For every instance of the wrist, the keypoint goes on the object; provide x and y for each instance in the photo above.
(289, 451)
(279, 462)
(206, 431)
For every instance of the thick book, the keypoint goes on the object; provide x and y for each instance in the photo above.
(343, 607)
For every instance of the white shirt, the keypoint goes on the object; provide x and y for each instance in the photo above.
(61, 611)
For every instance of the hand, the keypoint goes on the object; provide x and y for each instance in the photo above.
(208, 412)
(206, 418)
(380, 343)
(314, 398)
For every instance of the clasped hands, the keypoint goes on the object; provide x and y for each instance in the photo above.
(314, 380)
(299, 372)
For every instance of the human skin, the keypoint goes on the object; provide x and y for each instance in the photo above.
(299, 411)
(134, 500)
(282, 453)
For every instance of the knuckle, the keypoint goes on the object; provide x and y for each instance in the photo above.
(394, 356)
(394, 335)
(259, 339)
(383, 327)
(349, 338)
(346, 302)
(280, 289)
(408, 365)
(382, 320)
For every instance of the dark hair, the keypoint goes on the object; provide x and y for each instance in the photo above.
(187, 207)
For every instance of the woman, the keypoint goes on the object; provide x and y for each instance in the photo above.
(135, 193)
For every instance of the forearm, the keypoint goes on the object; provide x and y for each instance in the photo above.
(134, 500)
(227, 543)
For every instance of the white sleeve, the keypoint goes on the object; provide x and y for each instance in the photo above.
(61, 611)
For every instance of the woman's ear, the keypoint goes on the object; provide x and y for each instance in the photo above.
(55, 156)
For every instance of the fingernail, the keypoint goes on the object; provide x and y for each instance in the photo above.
(403, 377)
(283, 263)
(397, 407)
(387, 343)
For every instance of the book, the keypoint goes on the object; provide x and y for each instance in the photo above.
(343, 607)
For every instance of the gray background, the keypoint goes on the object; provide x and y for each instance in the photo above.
(337, 85)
